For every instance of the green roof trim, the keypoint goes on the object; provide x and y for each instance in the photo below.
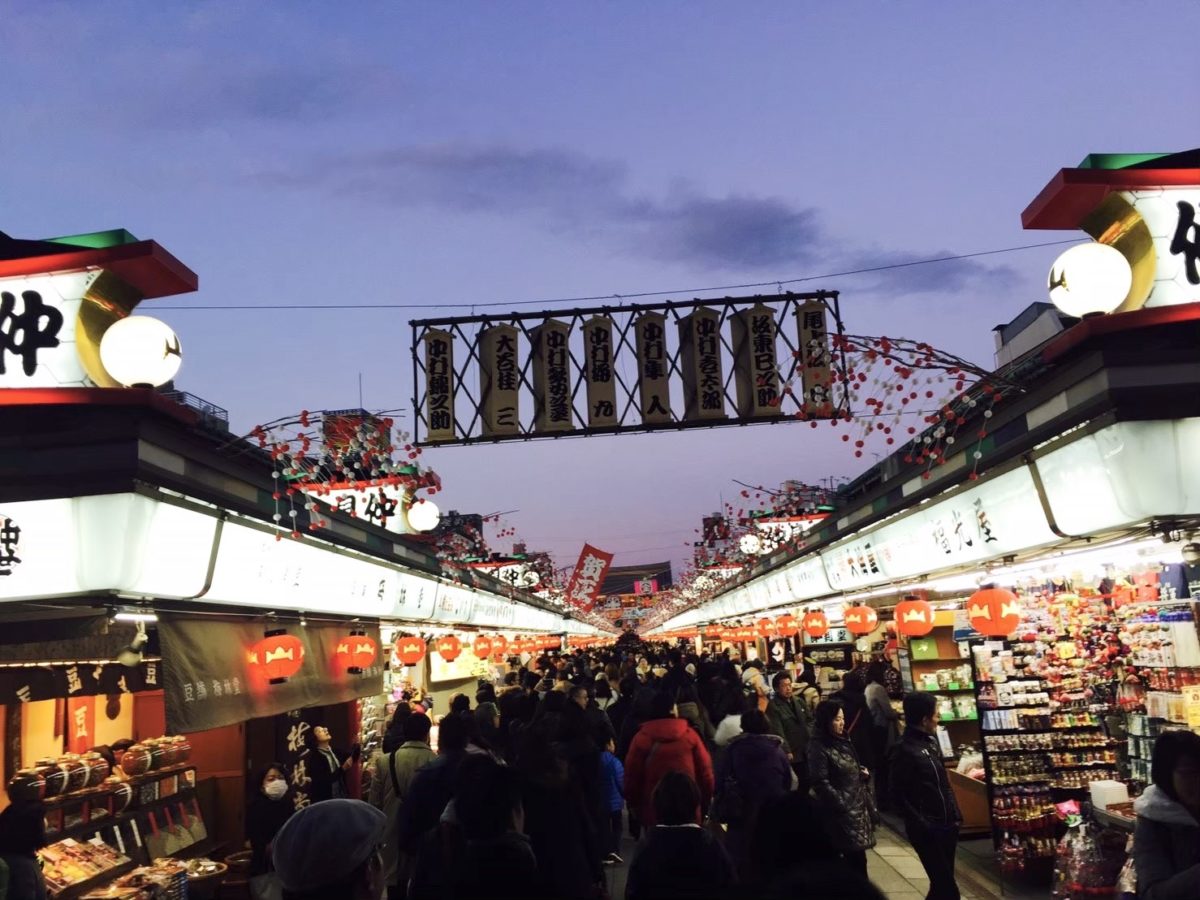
(96, 240)
(1118, 160)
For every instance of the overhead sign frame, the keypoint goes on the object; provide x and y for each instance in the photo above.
(628, 368)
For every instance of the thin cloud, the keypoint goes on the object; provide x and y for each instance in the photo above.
(567, 191)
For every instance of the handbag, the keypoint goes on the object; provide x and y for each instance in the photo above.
(730, 803)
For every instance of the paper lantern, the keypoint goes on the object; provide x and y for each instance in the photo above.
(411, 650)
(279, 656)
(140, 351)
(787, 625)
(994, 611)
(1089, 279)
(499, 645)
(355, 652)
(861, 619)
(914, 617)
(815, 624)
(745, 634)
(713, 631)
(448, 647)
(423, 515)
(482, 646)
(765, 627)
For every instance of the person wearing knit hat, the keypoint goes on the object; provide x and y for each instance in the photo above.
(331, 850)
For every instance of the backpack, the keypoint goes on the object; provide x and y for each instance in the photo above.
(730, 803)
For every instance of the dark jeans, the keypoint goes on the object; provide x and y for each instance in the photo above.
(856, 860)
(880, 735)
(614, 831)
(936, 848)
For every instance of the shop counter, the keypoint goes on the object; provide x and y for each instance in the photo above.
(972, 798)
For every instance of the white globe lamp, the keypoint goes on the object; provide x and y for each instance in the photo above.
(423, 515)
(140, 351)
(750, 544)
(1089, 279)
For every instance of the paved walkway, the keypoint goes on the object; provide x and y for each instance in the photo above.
(892, 866)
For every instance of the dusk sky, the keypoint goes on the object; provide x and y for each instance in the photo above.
(470, 153)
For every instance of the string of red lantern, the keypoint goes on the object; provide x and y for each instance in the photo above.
(861, 620)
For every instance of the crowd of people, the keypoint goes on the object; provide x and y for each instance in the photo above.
(733, 781)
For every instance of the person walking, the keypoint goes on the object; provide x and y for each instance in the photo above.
(753, 771)
(884, 722)
(390, 787)
(841, 786)
(791, 720)
(922, 795)
(614, 797)
(664, 744)
(1166, 840)
(679, 860)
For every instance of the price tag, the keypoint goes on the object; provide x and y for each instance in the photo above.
(137, 834)
(120, 840)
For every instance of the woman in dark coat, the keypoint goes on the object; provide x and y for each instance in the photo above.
(270, 806)
(754, 766)
(1166, 841)
(22, 834)
(841, 786)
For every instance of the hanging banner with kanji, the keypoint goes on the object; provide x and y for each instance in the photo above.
(667, 365)
(584, 587)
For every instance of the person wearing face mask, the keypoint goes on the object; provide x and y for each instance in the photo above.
(269, 807)
(1166, 841)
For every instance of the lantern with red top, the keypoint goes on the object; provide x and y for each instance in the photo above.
(278, 656)
(861, 620)
(815, 623)
(499, 645)
(356, 652)
(410, 649)
(914, 616)
(765, 627)
(482, 646)
(448, 647)
(787, 625)
(994, 611)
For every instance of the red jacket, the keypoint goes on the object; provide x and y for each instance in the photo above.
(659, 747)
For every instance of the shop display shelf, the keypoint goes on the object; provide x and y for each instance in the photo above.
(1044, 750)
(969, 689)
(942, 659)
(1050, 728)
(1085, 765)
(79, 888)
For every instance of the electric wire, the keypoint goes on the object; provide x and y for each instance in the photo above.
(776, 282)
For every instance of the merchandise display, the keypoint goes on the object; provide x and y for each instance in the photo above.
(71, 862)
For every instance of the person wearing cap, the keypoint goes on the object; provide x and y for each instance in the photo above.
(331, 851)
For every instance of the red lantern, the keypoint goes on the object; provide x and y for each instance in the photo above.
(914, 617)
(787, 625)
(356, 651)
(482, 646)
(994, 611)
(499, 645)
(861, 619)
(765, 627)
(746, 634)
(448, 647)
(279, 656)
(411, 650)
(714, 631)
(815, 624)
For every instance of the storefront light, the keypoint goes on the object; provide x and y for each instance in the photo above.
(1089, 279)
(140, 351)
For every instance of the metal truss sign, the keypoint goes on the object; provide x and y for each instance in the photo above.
(611, 370)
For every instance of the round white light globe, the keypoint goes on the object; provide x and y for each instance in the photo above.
(141, 351)
(1088, 279)
(423, 515)
(750, 544)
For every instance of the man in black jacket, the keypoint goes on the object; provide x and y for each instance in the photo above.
(922, 794)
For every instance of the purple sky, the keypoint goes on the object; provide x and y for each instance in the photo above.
(477, 152)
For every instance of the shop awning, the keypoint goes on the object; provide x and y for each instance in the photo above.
(218, 672)
(1106, 482)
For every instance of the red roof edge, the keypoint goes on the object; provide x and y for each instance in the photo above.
(98, 397)
(145, 265)
(1073, 193)
(1129, 321)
